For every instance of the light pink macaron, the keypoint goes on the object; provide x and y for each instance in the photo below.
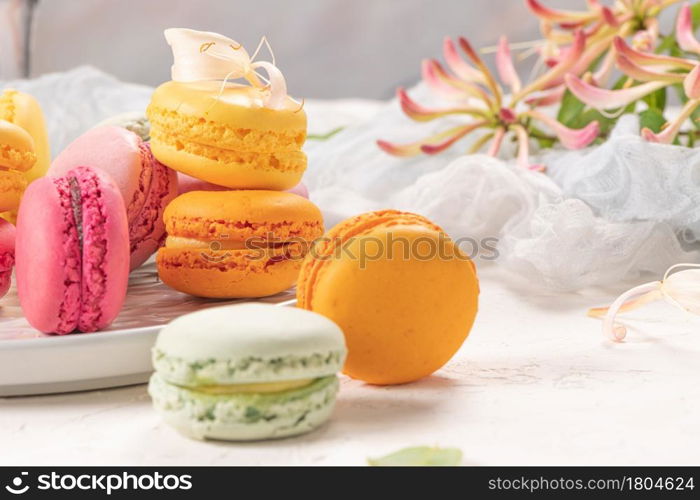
(146, 185)
(7, 255)
(72, 252)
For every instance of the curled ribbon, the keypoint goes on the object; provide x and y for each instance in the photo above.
(207, 56)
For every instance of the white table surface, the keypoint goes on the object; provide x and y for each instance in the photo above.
(535, 383)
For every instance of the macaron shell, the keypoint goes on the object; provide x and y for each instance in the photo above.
(48, 259)
(12, 185)
(114, 150)
(226, 136)
(24, 110)
(403, 318)
(7, 255)
(276, 171)
(244, 417)
(16, 147)
(240, 215)
(105, 270)
(147, 228)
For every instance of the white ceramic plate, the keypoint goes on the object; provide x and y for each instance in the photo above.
(34, 363)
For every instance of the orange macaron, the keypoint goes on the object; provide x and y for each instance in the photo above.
(236, 244)
(400, 289)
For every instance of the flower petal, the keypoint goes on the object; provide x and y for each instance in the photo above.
(437, 84)
(603, 99)
(691, 84)
(489, 80)
(557, 72)
(557, 16)
(504, 64)
(684, 30)
(415, 148)
(650, 59)
(547, 98)
(420, 113)
(496, 142)
(524, 150)
(458, 132)
(458, 65)
(645, 75)
(669, 133)
(569, 137)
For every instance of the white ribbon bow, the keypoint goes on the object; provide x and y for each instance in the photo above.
(207, 56)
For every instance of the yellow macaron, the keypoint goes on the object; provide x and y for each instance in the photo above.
(23, 110)
(226, 136)
(401, 290)
(16, 157)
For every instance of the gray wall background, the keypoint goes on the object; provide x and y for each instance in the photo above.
(326, 48)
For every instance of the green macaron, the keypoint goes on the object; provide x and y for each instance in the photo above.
(247, 372)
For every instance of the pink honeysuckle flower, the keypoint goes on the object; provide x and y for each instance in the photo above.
(654, 72)
(684, 31)
(671, 129)
(604, 99)
(691, 84)
(580, 52)
(421, 113)
(482, 99)
(504, 64)
(570, 138)
(458, 65)
(636, 19)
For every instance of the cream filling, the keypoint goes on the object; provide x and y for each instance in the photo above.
(219, 244)
(260, 388)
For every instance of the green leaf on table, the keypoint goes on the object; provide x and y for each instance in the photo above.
(651, 119)
(324, 137)
(419, 455)
(571, 107)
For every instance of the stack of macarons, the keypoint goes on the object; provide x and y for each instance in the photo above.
(96, 215)
(24, 148)
(235, 231)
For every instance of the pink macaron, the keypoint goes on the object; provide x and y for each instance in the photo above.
(147, 186)
(187, 183)
(7, 255)
(72, 252)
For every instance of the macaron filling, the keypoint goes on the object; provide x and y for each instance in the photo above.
(245, 370)
(257, 388)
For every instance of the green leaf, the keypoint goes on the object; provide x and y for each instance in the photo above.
(651, 119)
(695, 13)
(419, 455)
(695, 118)
(571, 107)
(656, 100)
(667, 43)
(324, 137)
